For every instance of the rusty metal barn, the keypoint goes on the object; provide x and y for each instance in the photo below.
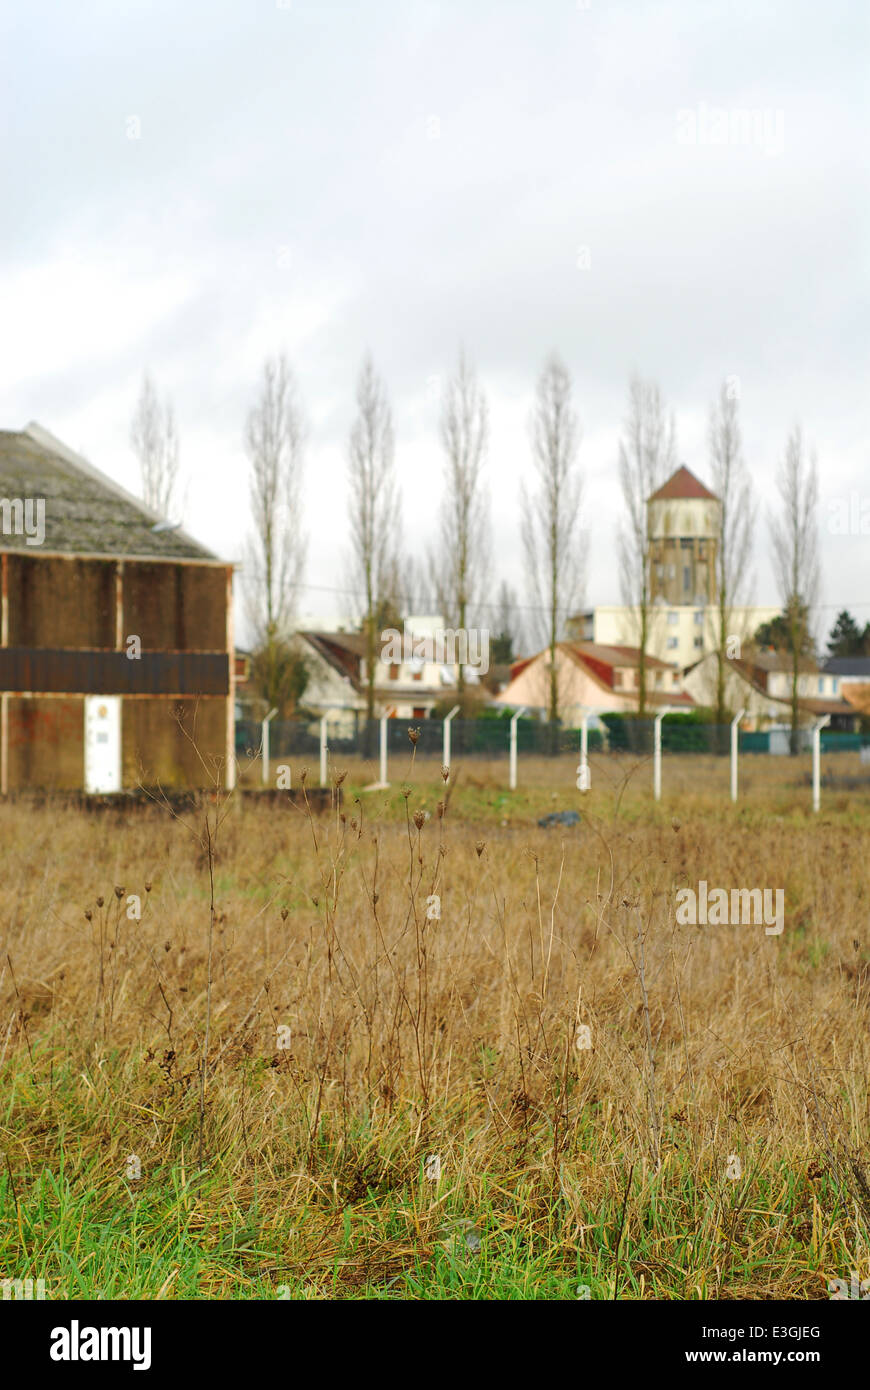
(116, 636)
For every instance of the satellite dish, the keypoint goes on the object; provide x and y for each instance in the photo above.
(162, 526)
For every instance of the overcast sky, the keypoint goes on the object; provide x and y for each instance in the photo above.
(400, 176)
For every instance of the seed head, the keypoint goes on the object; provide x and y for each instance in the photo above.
(445, 772)
(441, 809)
(419, 819)
(148, 885)
(480, 847)
(119, 892)
(99, 902)
(89, 915)
(413, 735)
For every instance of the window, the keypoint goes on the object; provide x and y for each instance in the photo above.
(699, 617)
(673, 619)
(419, 712)
(418, 676)
(687, 578)
(394, 672)
(673, 643)
(699, 641)
(675, 678)
(821, 685)
(835, 686)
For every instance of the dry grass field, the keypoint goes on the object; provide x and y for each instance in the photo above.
(401, 1050)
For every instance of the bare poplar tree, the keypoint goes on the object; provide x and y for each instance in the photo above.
(794, 539)
(374, 515)
(647, 452)
(154, 437)
(274, 441)
(461, 565)
(553, 545)
(735, 523)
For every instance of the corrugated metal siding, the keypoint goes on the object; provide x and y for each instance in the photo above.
(70, 672)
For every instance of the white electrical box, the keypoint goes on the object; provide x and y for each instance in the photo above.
(102, 743)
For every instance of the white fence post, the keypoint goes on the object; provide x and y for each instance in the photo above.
(513, 774)
(323, 751)
(735, 726)
(657, 756)
(817, 758)
(447, 719)
(264, 739)
(384, 750)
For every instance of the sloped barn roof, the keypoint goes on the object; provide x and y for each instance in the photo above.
(86, 513)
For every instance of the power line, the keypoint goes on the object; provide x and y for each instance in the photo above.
(542, 608)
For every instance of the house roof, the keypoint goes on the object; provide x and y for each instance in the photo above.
(857, 695)
(682, 484)
(86, 513)
(848, 666)
(343, 651)
(766, 659)
(616, 656)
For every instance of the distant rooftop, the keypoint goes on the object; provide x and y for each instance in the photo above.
(848, 666)
(617, 656)
(681, 485)
(86, 513)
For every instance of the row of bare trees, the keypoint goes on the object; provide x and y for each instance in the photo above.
(384, 582)
(455, 579)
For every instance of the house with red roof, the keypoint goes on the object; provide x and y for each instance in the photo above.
(592, 676)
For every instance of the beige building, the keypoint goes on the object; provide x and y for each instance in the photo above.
(678, 635)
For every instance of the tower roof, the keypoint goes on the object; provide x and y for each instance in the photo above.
(682, 484)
